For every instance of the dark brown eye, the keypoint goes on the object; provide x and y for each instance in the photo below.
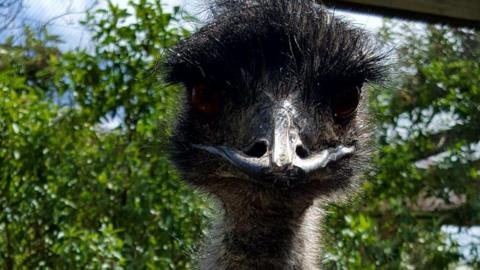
(205, 100)
(344, 105)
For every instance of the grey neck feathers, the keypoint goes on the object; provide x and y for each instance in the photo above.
(252, 237)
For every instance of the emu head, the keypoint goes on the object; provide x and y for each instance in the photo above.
(273, 102)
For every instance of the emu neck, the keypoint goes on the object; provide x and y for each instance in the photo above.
(258, 234)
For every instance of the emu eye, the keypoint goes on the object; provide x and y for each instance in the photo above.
(344, 105)
(205, 100)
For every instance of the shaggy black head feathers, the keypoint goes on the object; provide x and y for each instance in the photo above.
(247, 39)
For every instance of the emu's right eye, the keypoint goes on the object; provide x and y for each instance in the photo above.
(344, 105)
(205, 100)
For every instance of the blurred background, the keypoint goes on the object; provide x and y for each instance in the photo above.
(85, 183)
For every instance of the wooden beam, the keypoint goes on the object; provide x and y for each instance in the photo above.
(454, 12)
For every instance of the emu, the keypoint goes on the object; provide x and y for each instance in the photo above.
(273, 124)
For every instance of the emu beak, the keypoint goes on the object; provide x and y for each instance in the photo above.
(281, 159)
(261, 166)
(284, 138)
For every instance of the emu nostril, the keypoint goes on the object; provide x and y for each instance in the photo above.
(301, 151)
(258, 149)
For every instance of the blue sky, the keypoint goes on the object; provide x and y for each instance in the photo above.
(40, 12)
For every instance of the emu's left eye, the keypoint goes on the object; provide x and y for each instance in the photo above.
(344, 105)
(205, 100)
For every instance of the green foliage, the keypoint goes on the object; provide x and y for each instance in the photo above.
(412, 195)
(74, 195)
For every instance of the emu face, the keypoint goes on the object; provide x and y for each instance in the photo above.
(273, 99)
